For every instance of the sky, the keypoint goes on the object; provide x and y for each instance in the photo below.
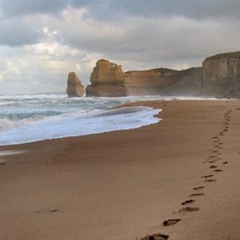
(41, 41)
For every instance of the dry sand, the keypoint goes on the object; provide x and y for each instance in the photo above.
(123, 185)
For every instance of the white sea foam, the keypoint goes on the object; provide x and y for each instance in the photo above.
(27, 118)
(97, 121)
(6, 124)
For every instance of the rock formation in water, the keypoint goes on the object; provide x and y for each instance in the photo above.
(221, 75)
(107, 80)
(74, 86)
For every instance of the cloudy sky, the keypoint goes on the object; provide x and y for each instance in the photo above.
(42, 40)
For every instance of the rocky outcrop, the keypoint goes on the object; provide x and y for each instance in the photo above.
(106, 80)
(221, 75)
(74, 86)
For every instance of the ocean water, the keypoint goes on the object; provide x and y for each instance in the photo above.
(30, 118)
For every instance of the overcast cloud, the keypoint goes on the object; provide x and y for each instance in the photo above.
(41, 41)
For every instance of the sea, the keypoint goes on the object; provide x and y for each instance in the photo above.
(31, 118)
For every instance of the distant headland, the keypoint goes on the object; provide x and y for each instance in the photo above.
(219, 76)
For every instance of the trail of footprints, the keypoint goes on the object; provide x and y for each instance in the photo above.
(214, 160)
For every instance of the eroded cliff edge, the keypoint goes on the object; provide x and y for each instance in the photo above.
(108, 80)
(219, 76)
(164, 81)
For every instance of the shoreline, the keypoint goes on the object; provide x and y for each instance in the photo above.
(125, 184)
(93, 122)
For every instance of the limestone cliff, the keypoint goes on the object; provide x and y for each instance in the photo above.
(164, 82)
(106, 80)
(221, 75)
(186, 82)
(74, 86)
(147, 82)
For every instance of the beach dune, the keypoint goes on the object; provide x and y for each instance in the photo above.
(124, 185)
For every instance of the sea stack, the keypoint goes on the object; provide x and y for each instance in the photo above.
(74, 86)
(221, 75)
(107, 80)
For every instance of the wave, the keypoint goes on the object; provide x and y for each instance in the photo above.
(6, 124)
(34, 117)
(32, 96)
(98, 121)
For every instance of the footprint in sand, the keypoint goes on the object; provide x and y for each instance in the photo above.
(218, 170)
(156, 236)
(2, 163)
(207, 176)
(54, 210)
(212, 161)
(210, 180)
(188, 202)
(196, 194)
(51, 211)
(198, 188)
(170, 222)
(225, 163)
(213, 166)
(189, 209)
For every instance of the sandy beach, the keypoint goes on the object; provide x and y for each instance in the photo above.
(123, 185)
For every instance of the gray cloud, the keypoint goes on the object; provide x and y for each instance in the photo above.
(155, 41)
(194, 9)
(14, 8)
(15, 34)
(103, 9)
(49, 38)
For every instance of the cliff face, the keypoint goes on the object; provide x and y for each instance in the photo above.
(164, 82)
(186, 83)
(221, 75)
(148, 82)
(106, 80)
(74, 86)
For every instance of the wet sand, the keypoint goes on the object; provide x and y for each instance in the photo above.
(179, 177)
